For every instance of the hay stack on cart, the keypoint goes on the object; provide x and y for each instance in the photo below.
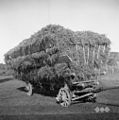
(51, 56)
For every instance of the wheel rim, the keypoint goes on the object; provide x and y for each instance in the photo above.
(65, 98)
(30, 89)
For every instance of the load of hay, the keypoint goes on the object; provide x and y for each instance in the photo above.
(38, 59)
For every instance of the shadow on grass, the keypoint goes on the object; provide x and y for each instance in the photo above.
(42, 91)
(6, 79)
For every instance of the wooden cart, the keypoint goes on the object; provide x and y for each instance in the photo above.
(82, 92)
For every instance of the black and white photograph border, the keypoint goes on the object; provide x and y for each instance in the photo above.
(59, 59)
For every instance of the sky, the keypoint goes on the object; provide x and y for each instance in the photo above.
(19, 19)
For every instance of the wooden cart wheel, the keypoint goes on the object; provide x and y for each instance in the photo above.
(64, 97)
(29, 88)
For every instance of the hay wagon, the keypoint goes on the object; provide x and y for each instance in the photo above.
(43, 49)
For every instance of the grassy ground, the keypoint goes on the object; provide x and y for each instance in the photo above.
(15, 104)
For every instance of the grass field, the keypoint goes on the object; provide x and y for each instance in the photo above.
(15, 104)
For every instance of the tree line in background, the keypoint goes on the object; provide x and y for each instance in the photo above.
(37, 59)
